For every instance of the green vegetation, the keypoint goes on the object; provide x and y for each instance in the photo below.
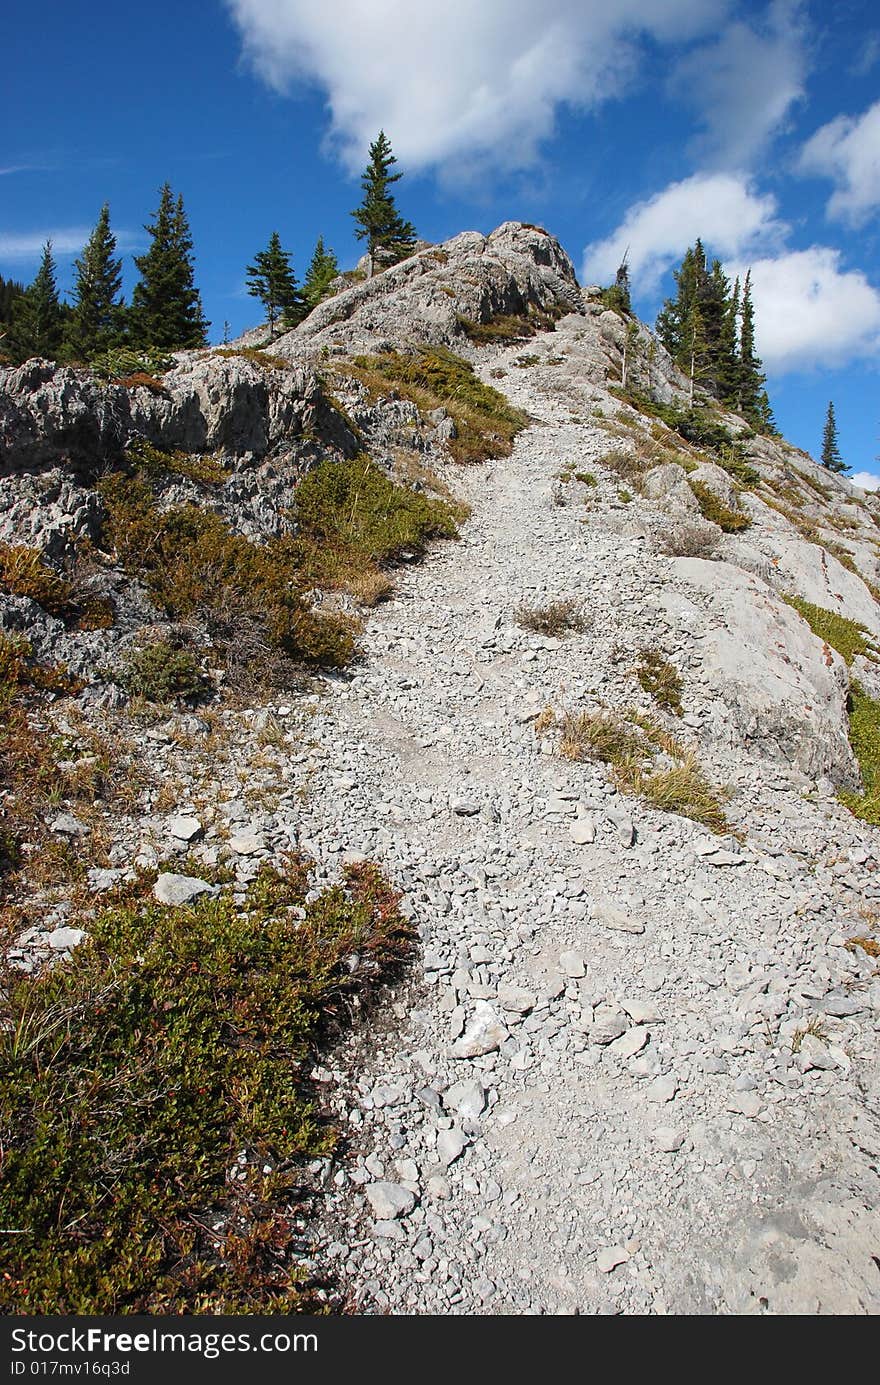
(133, 1076)
(322, 270)
(203, 468)
(710, 333)
(831, 458)
(846, 636)
(694, 425)
(646, 761)
(864, 737)
(264, 359)
(121, 364)
(485, 423)
(271, 279)
(504, 329)
(556, 618)
(661, 680)
(97, 318)
(378, 221)
(166, 307)
(714, 509)
(23, 573)
(162, 673)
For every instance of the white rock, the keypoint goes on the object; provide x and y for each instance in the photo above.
(66, 825)
(450, 1145)
(466, 1098)
(667, 1139)
(610, 1257)
(184, 829)
(484, 1034)
(179, 889)
(631, 1043)
(247, 843)
(516, 998)
(572, 965)
(662, 1089)
(389, 1200)
(583, 831)
(614, 917)
(62, 938)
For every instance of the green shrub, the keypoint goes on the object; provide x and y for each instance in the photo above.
(864, 737)
(205, 469)
(132, 1076)
(661, 680)
(694, 425)
(193, 564)
(846, 636)
(485, 423)
(504, 329)
(121, 362)
(161, 673)
(713, 509)
(23, 573)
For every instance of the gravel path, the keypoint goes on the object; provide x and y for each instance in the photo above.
(592, 1104)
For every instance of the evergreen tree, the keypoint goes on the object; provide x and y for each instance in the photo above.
(96, 322)
(319, 275)
(831, 458)
(166, 307)
(272, 280)
(752, 401)
(379, 222)
(37, 315)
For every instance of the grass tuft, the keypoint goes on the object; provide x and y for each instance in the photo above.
(729, 520)
(846, 636)
(556, 618)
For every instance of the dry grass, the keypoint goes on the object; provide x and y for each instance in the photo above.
(556, 618)
(689, 539)
(631, 745)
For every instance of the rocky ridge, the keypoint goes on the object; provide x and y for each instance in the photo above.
(638, 1073)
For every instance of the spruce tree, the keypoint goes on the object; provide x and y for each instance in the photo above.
(166, 307)
(96, 322)
(831, 458)
(752, 401)
(272, 280)
(37, 315)
(379, 222)
(319, 275)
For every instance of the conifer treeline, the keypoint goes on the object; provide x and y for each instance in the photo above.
(709, 330)
(165, 312)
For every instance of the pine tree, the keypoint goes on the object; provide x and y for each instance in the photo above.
(319, 275)
(37, 315)
(379, 222)
(96, 321)
(272, 280)
(166, 307)
(831, 458)
(752, 401)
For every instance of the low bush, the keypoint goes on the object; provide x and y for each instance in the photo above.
(864, 737)
(688, 538)
(646, 761)
(712, 508)
(556, 618)
(155, 1110)
(203, 468)
(846, 636)
(485, 423)
(504, 329)
(162, 673)
(23, 573)
(661, 680)
(194, 565)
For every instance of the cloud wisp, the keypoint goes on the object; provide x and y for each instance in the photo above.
(66, 241)
(847, 150)
(733, 219)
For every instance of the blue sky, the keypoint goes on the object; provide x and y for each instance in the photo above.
(614, 123)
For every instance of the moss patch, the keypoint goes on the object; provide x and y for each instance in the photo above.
(133, 1078)
(661, 680)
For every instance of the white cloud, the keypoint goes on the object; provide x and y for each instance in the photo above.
(731, 218)
(865, 480)
(847, 150)
(809, 312)
(458, 78)
(743, 85)
(66, 241)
